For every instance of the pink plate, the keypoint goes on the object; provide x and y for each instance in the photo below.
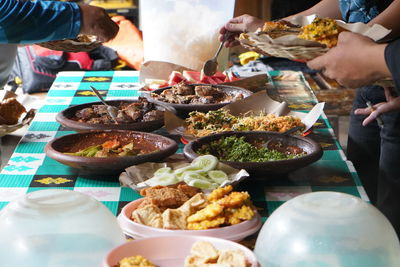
(235, 232)
(170, 251)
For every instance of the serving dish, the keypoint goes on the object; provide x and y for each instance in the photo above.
(65, 118)
(235, 232)
(57, 148)
(312, 148)
(171, 251)
(184, 109)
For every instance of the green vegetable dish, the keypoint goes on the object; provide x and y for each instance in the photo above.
(235, 148)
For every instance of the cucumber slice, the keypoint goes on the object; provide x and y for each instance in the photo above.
(202, 184)
(189, 176)
(181, 171)
(165, 179)
(205, 163)
(217, 176)
(162, 171)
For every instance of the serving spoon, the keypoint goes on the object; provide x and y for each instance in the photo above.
(290, 131)
(210, 66)
(111, 110)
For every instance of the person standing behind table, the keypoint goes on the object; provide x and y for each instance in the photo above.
(28, 22)
(375, 152)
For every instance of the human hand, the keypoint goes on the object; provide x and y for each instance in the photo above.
(355, 61)
(392, 104)
(95, 21)
(243, 23)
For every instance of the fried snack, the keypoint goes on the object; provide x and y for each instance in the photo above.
(219, 193)
(188, 190)
(10, 111)
(173, 219)
(206, 250)
(234, 199)
(194, 204)
(164, 197)
(135, 261)
(209, 212)
(279, 28)
(233, 258)
(206, 223)
(235, 216)
(324, 31)
(148, 215)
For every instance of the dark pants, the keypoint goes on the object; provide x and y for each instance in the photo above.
(375, 154)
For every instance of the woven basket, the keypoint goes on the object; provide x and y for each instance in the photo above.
(73, 45)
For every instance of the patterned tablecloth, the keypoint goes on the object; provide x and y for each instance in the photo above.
(29, 169)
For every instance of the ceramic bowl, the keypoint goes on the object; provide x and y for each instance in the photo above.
(64, 118)
(235, 232)
(56, 148)
(312, 148)
(171, 251)
(184, 109)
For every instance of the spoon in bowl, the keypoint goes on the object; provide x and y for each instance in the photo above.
(111, 110)
(290, 131)
(210, 66)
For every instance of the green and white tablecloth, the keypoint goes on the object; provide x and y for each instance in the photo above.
(29, 169)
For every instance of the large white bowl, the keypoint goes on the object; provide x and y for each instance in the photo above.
(57, 228)
(327, 229)
(170, 251)
(235, 232)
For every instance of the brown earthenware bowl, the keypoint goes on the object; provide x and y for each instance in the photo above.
(65, 119)
(183, 109)
(56, 148)
(312, 148)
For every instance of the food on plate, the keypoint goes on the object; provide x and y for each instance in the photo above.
(183, 93)
(83, 38)
(279, 28)
(167, 208)
(204, 254)
(113, 148)
(135, 261)
(324, 31)
(233, 148)
(201, 173)
(140, 111)
(189, 77)
(202, 124)
(10, 111)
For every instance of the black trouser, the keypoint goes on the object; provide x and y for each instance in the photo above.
(375, 154)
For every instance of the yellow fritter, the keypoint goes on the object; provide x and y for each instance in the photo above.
(234, 199)
(210, 211)
(235, 216)
(324, 31)
(219, 193)
(135, 261)
(206, 224)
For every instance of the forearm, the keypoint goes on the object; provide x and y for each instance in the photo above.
(325, 8)
(392, 60)
(389, 19)
(38, 21)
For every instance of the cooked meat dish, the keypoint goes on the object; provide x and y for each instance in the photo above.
(183, 93)
(140, 111)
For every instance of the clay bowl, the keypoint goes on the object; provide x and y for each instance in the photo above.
(312, 148)
(56, 148)
(65, 119)
(183, 110)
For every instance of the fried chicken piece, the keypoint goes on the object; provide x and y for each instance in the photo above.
(234, 199)
(209, 212)
(10, 111)
(165, 197)
(235, 216)
(206, 224)
(219, 193)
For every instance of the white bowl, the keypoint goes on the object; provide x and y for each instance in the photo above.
(327, 229)
(170, 251)
(235, 232)
(57, 228)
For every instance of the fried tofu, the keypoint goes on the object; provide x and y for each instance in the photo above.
(149, 215)
(165, 197)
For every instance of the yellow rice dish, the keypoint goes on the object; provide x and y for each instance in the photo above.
(324, 31)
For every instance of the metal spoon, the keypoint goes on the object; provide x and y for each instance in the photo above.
(290, 131)
(210, 66)
(111, 110)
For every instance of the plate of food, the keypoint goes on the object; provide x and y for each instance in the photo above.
(250, 151)
(109, 151)
(185, 210)
(304, 37)
(185, 98)
(186, 251)
(136, 115)
(205, 173)
(82, 43)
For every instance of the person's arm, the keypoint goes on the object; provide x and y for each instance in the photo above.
(40, 21)
(389, 19)
(323, 9)
(392, 59)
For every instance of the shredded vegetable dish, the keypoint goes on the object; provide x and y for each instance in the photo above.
(202, 124)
